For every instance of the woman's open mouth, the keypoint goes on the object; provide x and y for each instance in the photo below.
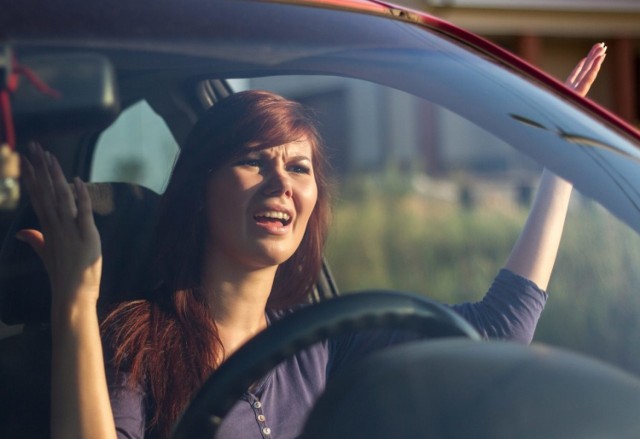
(273, 221)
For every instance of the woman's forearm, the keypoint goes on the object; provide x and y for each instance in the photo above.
(80, 406)
(534, 254)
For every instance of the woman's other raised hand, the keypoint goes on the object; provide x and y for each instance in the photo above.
(68, 242)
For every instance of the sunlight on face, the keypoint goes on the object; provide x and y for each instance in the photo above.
(258, 205)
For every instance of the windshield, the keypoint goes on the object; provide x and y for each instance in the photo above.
(584, 148)
(437, 149)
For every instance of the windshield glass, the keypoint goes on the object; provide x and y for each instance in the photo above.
(427, 201)
(437, 148)
(579, 144)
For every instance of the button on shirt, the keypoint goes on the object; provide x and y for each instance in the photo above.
(277, 406)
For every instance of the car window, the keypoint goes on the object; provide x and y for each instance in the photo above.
(429, 202)
(137, 148)
(437, 142)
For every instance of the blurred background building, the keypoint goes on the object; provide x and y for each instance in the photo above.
(361, 121)
(552, 34)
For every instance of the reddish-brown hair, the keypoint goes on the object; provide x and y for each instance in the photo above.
(172, 333)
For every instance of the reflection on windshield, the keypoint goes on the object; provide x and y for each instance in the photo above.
(576, 139)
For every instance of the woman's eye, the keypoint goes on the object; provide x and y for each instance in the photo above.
(254, 163)
(300, 169)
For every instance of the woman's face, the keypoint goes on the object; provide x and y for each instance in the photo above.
(258, 205)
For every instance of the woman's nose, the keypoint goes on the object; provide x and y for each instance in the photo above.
(278, 184)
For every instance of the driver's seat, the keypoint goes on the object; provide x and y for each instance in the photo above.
(124, 215)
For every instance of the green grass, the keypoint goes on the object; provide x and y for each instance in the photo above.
(384, 235)
(595, 299)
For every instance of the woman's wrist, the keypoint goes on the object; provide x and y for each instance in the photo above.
(70, 313)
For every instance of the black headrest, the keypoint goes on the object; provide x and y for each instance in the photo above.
(124, 215)
(458, 389)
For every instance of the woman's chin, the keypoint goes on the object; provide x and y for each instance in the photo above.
(270, 256)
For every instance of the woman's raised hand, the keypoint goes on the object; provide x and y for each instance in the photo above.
(586, 71)
(69, 245)
(534, 254)
(68, 242)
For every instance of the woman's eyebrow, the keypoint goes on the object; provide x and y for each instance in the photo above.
(250, 154)
(263, 153)
(299, 158)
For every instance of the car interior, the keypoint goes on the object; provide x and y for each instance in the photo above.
(124, 215)
(178, 80)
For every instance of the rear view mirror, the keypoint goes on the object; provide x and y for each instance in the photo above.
(85, 93)
(50, 94)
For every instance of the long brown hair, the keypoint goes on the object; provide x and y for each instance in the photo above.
(172, 332)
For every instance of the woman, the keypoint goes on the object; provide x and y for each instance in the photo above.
(241, 229)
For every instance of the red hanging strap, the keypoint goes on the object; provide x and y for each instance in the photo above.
(39, 84)
(13, 73)
(7, 119)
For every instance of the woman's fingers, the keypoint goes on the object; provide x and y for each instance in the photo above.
(65, 203)
(585, 73)
(51, 196)
(594, 59)
(589, 76)
(594, 52)
(42, 191)
(56, 197)
(69, 244)
(576, 71)
(66, 221)
(30, 181)
(85, 212)
(582, 88)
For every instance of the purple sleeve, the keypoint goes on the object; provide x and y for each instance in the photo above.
(127, 405)
(348, 348)
(509, 311)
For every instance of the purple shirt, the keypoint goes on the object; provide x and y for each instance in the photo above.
(277, 406)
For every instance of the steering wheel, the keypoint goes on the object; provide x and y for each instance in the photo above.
(303, 328)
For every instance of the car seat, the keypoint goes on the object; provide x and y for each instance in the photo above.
(124, 215)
